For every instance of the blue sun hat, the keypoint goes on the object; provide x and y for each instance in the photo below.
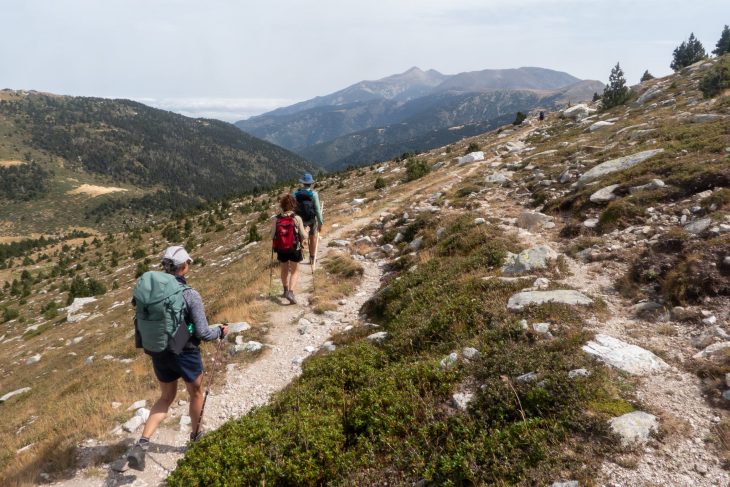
(307, 179)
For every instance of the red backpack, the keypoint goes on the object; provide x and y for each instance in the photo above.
(285, 236)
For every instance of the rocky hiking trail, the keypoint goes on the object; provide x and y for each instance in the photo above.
(294, 333)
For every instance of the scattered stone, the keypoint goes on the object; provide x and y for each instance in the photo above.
(599, 125)
(479, 221)
(645, 308)
(578, 373)
(378, 337)
(329, 346)
(358, 201)
(461, 400)
(541, 327)
(132, 424)
(73, 314)
(116, 405)
(527, 298)
(710, 320)
(398, 238)
(604, 195)
(415, 245)
(541, 283)
(33, 359)
(449, 361)
(698, 226)
(530, 220)
(339, 243)
(143, 413)
(565, 483)
(654, 184)
(238, 327)
(471, 157)
(501, 177)
(252, 346)
(614, 165)
(706, 117)
(137, 405)
(529, 260)
(590, 223)
(578, 112)
(528, 377)
(649, 94)
(712, 350)
(624, 356)
(634, 427)
(387, 248)
(89, 360)
(310, 349)
(471, 353)
(16, 392)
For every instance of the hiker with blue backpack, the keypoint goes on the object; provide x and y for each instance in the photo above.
(170, 323)
(310, 211)
(287, 239)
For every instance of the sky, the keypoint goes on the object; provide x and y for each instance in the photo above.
(231, 59)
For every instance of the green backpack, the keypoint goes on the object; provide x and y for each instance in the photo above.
(158, 297)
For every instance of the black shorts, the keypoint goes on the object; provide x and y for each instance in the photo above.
(289, 255)
(170, 367)
(312, 227)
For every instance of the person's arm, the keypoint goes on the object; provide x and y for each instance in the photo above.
(302, 231)
(196, 313)
(318, 208)
(273, 229)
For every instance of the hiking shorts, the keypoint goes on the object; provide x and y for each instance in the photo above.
(289, 255)
(170, 367)
(312, 226)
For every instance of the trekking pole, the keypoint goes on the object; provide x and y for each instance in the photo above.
(209, 384)
(271, 271)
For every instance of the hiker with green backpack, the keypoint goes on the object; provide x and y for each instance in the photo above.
(309, 210)
(170, 323)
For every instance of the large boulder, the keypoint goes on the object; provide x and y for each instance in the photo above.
(624, 356)
(471, 157)
(604, 195)
(578, 112)
(529, 260)
(614, 165)
(14, 393)
(600, 125)
(527, 298)
(73, 313)
(530, 220)
(634, 427)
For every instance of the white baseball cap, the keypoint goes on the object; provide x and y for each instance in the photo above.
(178, 255)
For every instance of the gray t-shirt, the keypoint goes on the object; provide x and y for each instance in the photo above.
(195, 313)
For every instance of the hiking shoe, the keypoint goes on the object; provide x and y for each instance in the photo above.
(284, 293)
(290, 297)
(135, 457)
(194, 437)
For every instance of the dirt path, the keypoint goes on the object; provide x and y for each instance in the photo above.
(246, 385)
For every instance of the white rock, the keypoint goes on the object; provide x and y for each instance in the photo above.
(416, 244)
(499, 177)
(137, 405)
(470, 353)
(654, 184)
(252, 346)
(471, 157)
(461, 400)
(449, 361)
(378, 337)
(541, 283)
(143, 413)
(133, 423)
(712, 350)
(530, 220)
(706, 117)
(528, 377)
(89, 360)
(339, 243)
(578, 112)
(72, 311)
(578, 373)
(185, 420)
(541, 327)
(710, 320)
(33, 359)
(590, 223)
(358, 201)
(16, 392)
(238, 327)
(624, 356)
(698, 226)
(479, 221)
(329, 346)
(604, 195)
(599, 125)
(634, 427)
(528, 260)
(526, 298)
(310, 349)
(614, 165)
(565, 483)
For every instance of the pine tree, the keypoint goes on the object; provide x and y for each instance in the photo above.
(596, 96)
(646, 76)
(687, 53)
(616, 92)
(723, 45)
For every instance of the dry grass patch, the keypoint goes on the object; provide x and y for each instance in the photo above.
(337, 278)
(11, 163)
(94, 191)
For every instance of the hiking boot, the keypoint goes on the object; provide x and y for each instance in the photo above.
(284, 293)
(194, 437)
(135, 457)
(290, 297)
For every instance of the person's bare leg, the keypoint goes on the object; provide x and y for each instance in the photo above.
(294, 275)
(313, 241)
(159, 410)
(284, 271)
(195, 390)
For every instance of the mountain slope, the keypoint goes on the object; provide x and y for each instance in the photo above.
(337, 129)
(124, 143)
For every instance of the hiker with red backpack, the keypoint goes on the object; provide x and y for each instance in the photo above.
(286, 236)
(170, 323)
(310, 211)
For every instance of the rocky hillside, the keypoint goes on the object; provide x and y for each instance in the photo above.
(374, 119)
(78, 160)
(550, 309)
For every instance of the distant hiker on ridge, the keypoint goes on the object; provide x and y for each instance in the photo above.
(170, 323)
(286, 236)
(310, 210)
